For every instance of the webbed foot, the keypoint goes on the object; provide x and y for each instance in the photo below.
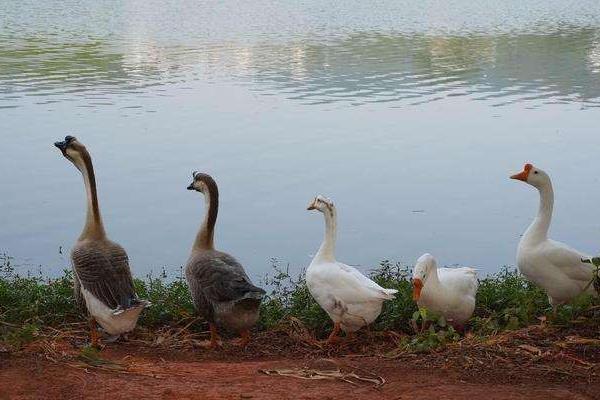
(333, 337)
(94, 334)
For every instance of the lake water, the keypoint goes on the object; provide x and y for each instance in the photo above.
(411, 115)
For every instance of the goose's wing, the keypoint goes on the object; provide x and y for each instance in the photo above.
(79, 300)
(103, 270)
(355, 285)
(463, 279)
(221, 278)
(568, 260)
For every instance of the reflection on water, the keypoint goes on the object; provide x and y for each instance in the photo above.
(416, 69)
(361, 68)
(388, 107)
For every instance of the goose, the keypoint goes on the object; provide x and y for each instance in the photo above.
(222, 292)
(349, 298)
(551, 265)
(102, 278)
(449, 292)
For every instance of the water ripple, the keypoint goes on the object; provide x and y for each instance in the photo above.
(546, 62)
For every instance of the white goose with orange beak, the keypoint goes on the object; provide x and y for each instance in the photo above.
(551, 265)
(449, 292)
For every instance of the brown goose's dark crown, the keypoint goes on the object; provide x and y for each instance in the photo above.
(200, 176)
(207, 179)
(65, 143)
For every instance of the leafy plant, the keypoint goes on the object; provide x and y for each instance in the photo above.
(507, 300)
(396, 313)
(171, 300)
(20, 336)
(431, 332)
(289, 297)
(595, 282)
(33, 299)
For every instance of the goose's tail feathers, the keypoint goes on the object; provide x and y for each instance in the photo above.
(389, 294)
(134, 304)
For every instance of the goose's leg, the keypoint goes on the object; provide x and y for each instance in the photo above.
(554, 305)
(333, 336)
(94, 333)
(349, 335)
(554, 312)
(460, 328)
(214, 336)
(245, 338)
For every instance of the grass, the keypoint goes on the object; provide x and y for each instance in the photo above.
(505, 301)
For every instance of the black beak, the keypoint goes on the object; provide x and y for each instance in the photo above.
(191, 187)
(62, 146)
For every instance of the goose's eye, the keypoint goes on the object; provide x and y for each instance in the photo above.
(535, 172)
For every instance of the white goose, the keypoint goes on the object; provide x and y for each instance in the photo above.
(449, 292)
(350, 299)
(551, 265)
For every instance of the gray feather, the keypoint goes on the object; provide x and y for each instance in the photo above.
(102, 268)
(221, 290)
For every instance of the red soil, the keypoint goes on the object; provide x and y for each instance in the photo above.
(32, 378)
(51, 370)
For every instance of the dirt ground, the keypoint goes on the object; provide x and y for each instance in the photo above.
(528, 364)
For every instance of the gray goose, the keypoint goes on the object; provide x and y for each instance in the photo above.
(103, 281)
(222, 292)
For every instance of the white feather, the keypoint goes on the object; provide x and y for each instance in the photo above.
(113, 321)
(449, 292)
(347, 296)
(551, 265)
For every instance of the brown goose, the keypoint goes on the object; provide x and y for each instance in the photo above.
(220, 288)
(102, 276)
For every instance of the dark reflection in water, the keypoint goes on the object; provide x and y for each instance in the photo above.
(563, 66)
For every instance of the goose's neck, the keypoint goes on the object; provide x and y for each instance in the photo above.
(433, 278)
(327, 250)
(93, 228)
(204, 238)
(538, 230)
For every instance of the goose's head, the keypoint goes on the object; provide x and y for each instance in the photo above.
(322, 204)
(533, 176)
(425, 264)
(202, 183)
(74, 151)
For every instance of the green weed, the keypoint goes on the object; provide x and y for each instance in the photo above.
(20, 336)
(431, 332)
(505, 301)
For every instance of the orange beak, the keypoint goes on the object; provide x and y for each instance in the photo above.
(523, 175)
(417, 287)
